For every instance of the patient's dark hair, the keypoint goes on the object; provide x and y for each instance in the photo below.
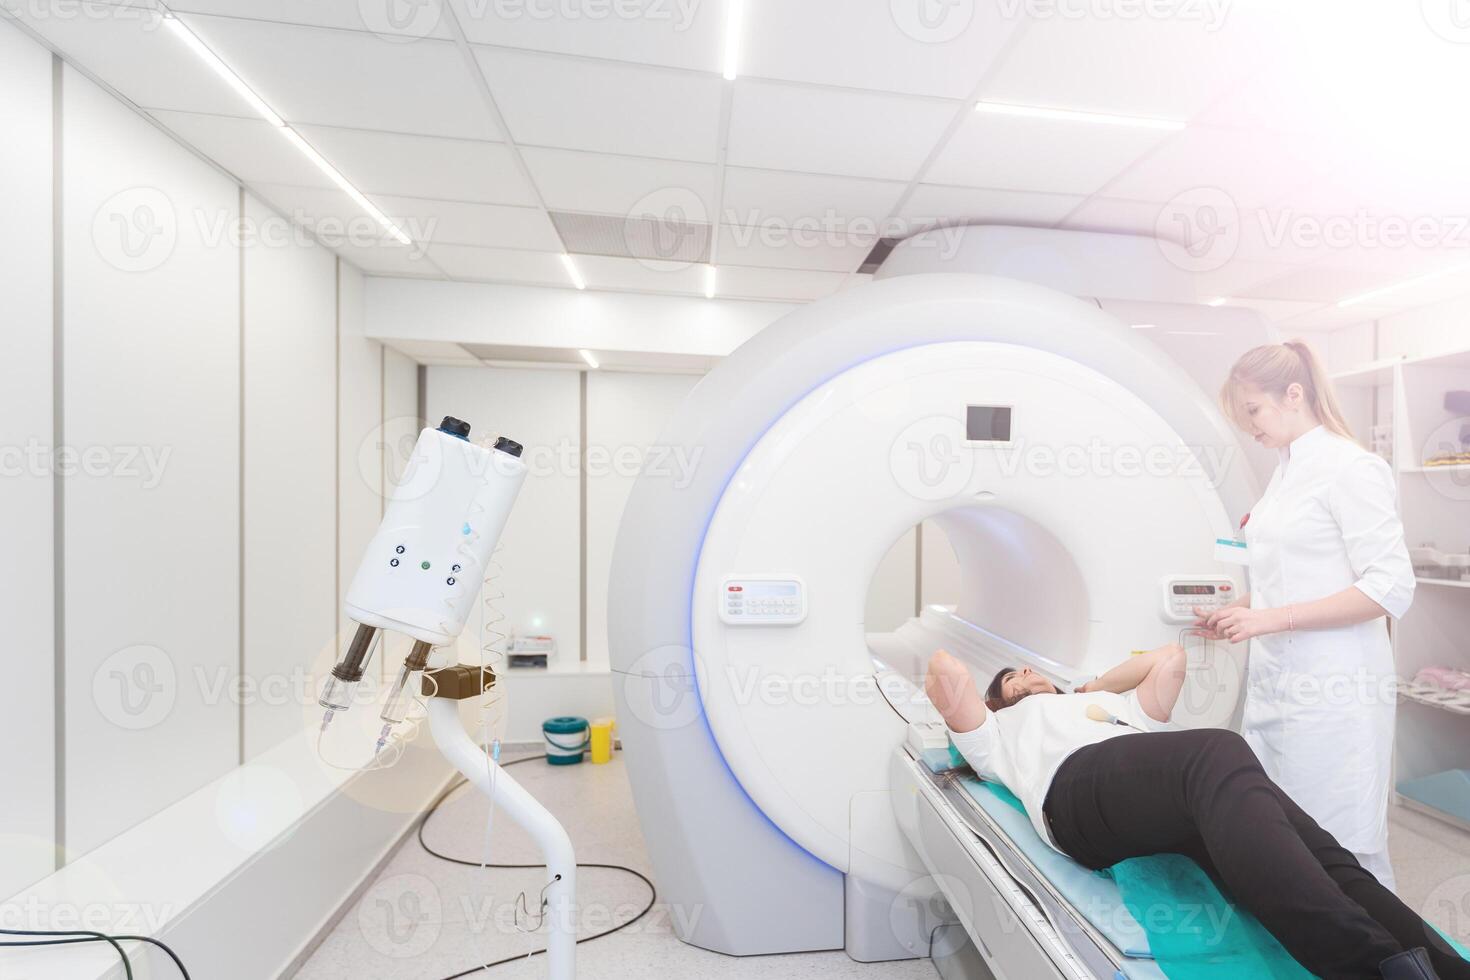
(995, 697)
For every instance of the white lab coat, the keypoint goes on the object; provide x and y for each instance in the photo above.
(1319, 709)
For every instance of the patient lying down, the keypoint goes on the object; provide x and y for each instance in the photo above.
(1099, 798)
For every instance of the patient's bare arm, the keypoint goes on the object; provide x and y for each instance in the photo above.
(951, 690)
(1130, 673)
(1159, 690)
(1158, 675)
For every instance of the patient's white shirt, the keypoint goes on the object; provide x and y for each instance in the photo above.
(1024, 745)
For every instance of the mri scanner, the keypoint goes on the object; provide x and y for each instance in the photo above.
(1053, 420)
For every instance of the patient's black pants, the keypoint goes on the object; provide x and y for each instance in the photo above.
(1204, 794)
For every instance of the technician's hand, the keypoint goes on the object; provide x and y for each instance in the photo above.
(1239, 623)
(1207, 622)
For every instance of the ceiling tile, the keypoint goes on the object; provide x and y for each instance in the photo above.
(745, 282)
(1252, 169)
(601, 183)
(1275, 310)
(432, 351)
(1039, 154)
(390, 259)
(251, 149)
(1167, 67)
(128, 47)
(349, 78)
(1205, 219)
(675, 33)
(389, 19)
(641, 275)
(339, 223)
(884, 46)
(782, 247)
(1237, 277)
(849, 205)
(932, 204)
(499, 265)
(576, 104)
(1322, 283)
(833, 131)
(423, 166)
(1329, 317)
(458, 223)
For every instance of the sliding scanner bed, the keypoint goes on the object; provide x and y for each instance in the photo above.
(457, 683)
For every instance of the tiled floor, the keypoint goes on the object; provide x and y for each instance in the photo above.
(423, 918)
(427, 919)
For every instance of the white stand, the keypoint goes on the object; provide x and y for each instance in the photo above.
(556, 847)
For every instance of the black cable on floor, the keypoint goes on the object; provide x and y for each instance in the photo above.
(83, 936)
(434, 807)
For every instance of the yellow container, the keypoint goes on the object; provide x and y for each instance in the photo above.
(602, 740)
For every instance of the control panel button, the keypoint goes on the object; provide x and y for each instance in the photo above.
(1183, 594)
(763, 600)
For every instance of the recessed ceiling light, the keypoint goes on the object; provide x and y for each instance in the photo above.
(571, 267)
(709, 282)
(1385, 290)
(191, 40)
(193, 43)
(309, 151)
(1218, 301)
(734, 14)
(587, 356)
(1076, 115)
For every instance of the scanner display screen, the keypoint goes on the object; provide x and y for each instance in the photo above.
(988, 423)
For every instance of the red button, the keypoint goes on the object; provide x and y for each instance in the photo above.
(1224, 588)
(736, 588)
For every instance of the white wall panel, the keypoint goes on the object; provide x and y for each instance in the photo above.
(539, 551)
(401, 426)
(27, 806)
(625, 414)
(1437, 329)
(290, 476)
(361, 445)
(151, 401)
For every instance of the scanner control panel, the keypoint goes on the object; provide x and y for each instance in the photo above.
(1182, 593)
(762, 600)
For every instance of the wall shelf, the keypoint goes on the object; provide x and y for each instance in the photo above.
(1457, 702)
(1453, 583)
(1403, 399)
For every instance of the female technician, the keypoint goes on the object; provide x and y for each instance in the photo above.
(1327, 565)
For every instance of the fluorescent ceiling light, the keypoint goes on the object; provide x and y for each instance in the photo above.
(221, 69)
(1143, 326)
(587, 356)
(192, 41)
(372, 209)
(734, 14)
(709, 282)
(571, 267)
(1075, 115)
(1193, 333)
(1218, 301)
(1384, 290)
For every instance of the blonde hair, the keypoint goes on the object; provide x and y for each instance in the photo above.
(1275, 367)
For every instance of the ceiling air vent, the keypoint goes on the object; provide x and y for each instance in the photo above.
(633, 238)
(877, 255)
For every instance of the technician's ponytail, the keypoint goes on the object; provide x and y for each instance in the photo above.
(1275, 367)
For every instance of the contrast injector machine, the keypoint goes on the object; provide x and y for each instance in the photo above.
(422, 570)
